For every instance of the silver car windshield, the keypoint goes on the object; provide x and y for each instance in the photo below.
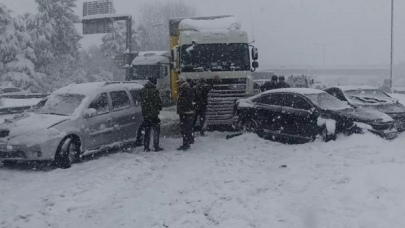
(328, 102)
(63, 104)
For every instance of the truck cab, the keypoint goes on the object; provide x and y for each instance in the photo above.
(154, 66)
(215, 49)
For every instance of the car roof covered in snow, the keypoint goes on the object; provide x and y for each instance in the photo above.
(95, 87)
(354, 87)
(295, 90)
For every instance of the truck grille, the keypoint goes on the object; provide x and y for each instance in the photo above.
(221, 101)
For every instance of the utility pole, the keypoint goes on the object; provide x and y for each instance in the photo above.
(323, 56)
(392, 42)
(323, 62)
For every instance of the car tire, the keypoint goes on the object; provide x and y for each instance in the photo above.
(68, 153)
(327, 137)
(250, 126)
(9, 163)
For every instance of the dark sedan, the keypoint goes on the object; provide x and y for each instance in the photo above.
(299, 115)
(371, 98)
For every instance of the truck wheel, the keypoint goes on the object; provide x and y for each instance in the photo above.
(9, 163)
(68, 153)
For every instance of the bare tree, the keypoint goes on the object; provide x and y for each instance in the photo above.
(154, 23)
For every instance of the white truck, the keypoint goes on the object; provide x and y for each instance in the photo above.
(216, 49)
(155, 65)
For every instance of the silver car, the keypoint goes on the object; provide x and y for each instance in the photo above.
(74, 121)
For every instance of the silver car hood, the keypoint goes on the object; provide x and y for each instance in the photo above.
(31, 129)
(33, 121)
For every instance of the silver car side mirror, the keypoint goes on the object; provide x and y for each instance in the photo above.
(90, 113)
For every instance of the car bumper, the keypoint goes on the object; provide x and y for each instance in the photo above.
(400, 125)
(387, 134)
(40, 152)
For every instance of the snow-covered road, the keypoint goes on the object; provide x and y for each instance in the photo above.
(353, 182)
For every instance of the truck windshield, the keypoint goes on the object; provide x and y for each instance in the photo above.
(215, 57)
(145, 71)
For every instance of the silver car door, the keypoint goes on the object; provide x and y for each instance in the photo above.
(99, 127)
(123, 114)
(137, 117)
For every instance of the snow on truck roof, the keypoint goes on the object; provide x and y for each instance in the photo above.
(228, 23)
(150, 60)
(93, 87)
(154, 53)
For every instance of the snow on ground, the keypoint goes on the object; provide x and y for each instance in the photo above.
(354, 182)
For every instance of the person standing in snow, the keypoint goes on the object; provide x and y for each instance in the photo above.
(281, 82)
(151, 107)
(273, 84)
(201, 91)
(185, 110)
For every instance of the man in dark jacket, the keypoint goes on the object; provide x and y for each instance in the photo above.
(151, 107)
(273, 84)
(201, 91)
(185, 110)
(282, 83)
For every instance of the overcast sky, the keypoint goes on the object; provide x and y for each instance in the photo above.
(292, 32)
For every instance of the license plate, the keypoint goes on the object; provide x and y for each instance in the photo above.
(391, 135)
(400, 126)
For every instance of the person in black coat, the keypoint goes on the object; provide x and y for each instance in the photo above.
(282, 83)
(151, 107)
(185, 110)
(273, 84)
(201, 91)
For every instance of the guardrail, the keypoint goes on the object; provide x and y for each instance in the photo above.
(13, 110)
(24, 96)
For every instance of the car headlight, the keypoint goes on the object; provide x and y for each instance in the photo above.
(363, 126)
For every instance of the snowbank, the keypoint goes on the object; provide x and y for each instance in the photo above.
(227, 23)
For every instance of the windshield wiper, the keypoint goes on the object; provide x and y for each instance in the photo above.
(54, 113)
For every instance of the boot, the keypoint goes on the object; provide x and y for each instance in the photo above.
(146, 150)
(157, 149)
(184, 147)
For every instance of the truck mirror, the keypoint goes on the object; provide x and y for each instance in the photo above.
(255, 53)
(255, 64)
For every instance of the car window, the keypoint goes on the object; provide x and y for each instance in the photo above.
(336, 93)
(136, 97)
(120, 100)
(100, 104)
(296, 101)
(271, 99)
(11, 90)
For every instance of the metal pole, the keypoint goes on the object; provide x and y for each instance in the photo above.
(323, 65)
(392, 42)
(128, 47)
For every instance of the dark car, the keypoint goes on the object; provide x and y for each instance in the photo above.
(298, 115)
(367, 97)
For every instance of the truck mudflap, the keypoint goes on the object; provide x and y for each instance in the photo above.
(221, 102)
